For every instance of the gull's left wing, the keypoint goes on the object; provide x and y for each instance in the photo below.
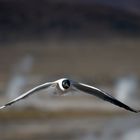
(26, 94)
(101, 94)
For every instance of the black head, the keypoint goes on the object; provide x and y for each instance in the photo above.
(66, 84)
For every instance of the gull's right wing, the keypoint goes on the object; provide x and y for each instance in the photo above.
(26, 94)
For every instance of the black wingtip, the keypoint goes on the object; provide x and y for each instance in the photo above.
(136, 111)
(132, 110)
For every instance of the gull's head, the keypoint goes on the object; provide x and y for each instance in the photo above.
(64, 84)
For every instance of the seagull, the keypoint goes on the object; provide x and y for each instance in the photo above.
(64, 85)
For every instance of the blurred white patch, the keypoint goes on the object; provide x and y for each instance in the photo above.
(126, 88)
(19, 77)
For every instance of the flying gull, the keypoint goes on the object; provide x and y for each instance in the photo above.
(62, 86)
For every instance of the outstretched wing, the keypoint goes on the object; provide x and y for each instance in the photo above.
(26, 94)
(101, 94)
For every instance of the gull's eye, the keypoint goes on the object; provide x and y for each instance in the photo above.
(65, 84)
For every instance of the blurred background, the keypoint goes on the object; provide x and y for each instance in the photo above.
(91, 41)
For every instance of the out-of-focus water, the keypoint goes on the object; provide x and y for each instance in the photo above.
(67, 125)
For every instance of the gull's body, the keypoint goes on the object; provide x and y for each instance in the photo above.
(62, 86)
